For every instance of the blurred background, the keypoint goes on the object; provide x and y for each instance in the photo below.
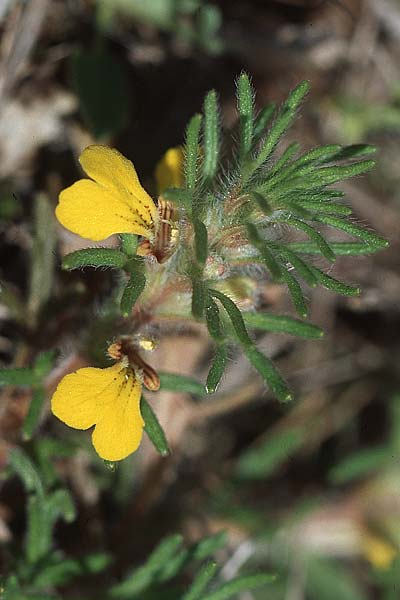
(309, 491)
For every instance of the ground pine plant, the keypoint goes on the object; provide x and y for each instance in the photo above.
(222, 227)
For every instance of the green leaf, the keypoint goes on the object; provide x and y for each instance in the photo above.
(22, 466)
(132, 291)
(61, 504)
(192, 152)
(153, 428)
(42, 257)
(201, 581)
(265, 253)
(260, 461)
(269, 373)
(172, 382)
(199, 295)
(35, 410)
(43, 364)
(200, 241)
(39, 534)
(314, 235)
(211, 137)
(327, 580)
(217, 368)
(101, 84)
(354, 151)
(289, 152)
(129, 243)
(282, 324)
(296, 293)
(143, 577)
(368, 237)
(301, 267)
(262, 120)
(58, 574)
(244, 583)
(330, 283)
(245, 99)
(339, 248)
(208, 545)
(94, 257)
(260, 362)
(18, 377)
(360, 464)
(282, 122)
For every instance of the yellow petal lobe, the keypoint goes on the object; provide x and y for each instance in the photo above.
(120, 429)
(111, 170)
(114, 202)
(82, 397)
(95, 213)
(169, 171)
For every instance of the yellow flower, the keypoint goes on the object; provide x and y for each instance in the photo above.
(107, 398)
(169, 171)
(378, 552)
(112, 201)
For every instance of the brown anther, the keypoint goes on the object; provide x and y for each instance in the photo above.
(150, 378)
(114, 350)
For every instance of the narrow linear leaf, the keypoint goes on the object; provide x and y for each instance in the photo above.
(296, 294)
(200, 241)
(330, 283)
(153, 428)
(172, 382)
(314, 235)
(39, 534)
(142, 577)
(94, 257)
(332, 208)
(245, 99)
(240, 584)
(301, 267)
(360, 464)
(260, 362)
(213, 320)
(217, 368)
(192, 152)
(208, 545)
(354, 151)
(199, 295)
(22, 466)
(211, 137)
(269, 373)
(262, 120)
(201, 581)
(265, 253)
(339, 248)
(282, 324)
(261, 202)
(132, 291)
(261, 460)
(366, 236)
(17, 377)
(282, 122)
(290, 151)
(35, 410)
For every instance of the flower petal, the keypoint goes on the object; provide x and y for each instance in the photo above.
(120, 429)
(81, 398)
(169, 171)
(93, 212)
(117, 174)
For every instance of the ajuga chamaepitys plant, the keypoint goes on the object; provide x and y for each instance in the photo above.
(218, 230)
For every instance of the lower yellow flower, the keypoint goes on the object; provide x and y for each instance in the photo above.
(378, 552)
(107, 398)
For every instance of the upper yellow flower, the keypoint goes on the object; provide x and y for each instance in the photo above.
(169, 171)
(112, 201)
(107, 398)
